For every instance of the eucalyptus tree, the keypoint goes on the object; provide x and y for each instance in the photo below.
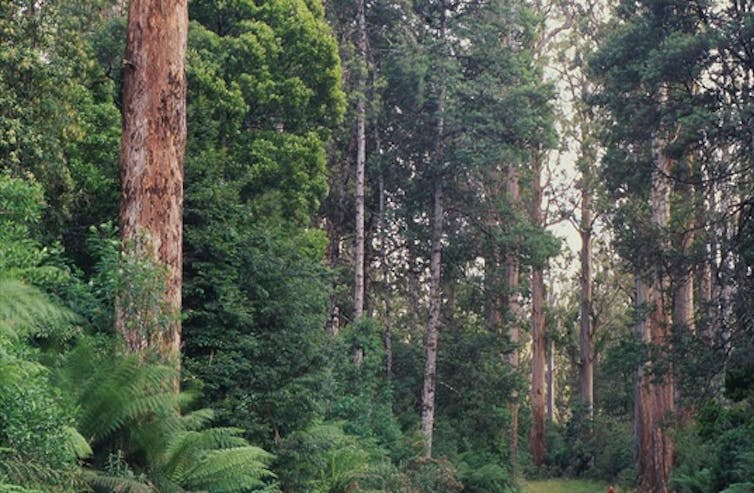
(494, 110)
(648, 97)
(152, 149)
(580, 129)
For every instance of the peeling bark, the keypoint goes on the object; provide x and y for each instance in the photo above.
(539, 349)
(151, 158)
(654, 401)
(514, 308)
(538, 384)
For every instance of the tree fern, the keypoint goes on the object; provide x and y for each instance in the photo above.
(38, 448)
(129, 404)
(101, 482)
(114, 391)
(25, 310)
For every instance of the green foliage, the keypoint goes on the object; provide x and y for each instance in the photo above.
(38, 446)
(716, 452)
(484, 475)
(264, 93)
(433, 476)
(57, 123)
(568, 486)
(599, 448)
(325, 459)
(128, 408)
(362, 397)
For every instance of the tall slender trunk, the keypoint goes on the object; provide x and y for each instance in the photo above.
(654, 401)
(387, 291)
(435, 265)
(539, 349)
(586, 370)
(151, 162)
(430, 368)
(332, 256)
(512, 273)
(551, 380)
(358, 294)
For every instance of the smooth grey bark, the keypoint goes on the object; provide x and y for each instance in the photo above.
(358, 295)
(551, 381)
(388, 335)
(435, 266)
(586, 369)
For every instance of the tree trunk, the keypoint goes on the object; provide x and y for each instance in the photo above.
(430, 368)
(435, 265)
(358, 295)
(586, 370)
(514, 314)
(151, 162)
(539, 349)
(387, 291)
(683, 292)
(683, 302)
(539, 352)
(551, 381)
(654, 402)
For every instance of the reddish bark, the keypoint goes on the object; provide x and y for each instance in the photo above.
(152, 149)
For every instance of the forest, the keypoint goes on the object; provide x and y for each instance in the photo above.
(401, 246)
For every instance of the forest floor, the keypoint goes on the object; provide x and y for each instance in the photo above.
(566, 486)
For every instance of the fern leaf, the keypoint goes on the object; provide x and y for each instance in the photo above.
(231, 470)
(76, 443)
(117, 484)
(25, 310)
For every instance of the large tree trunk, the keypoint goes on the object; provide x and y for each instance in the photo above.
(683, 292)
(586, 370)
(514, 314)
(358, 295)
(683, 301)
(151, 163)
(435, 265)
(654, 400)
(539, 348)
(538, 358)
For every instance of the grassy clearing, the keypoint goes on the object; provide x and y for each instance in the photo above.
(568, 486)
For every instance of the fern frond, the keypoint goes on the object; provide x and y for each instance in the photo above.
(14, 370)
(13, 488)
(76, 443)
(117, 484)
(195, 420)
(113, 391)
(747, 487)
(25, 310)
(185, 449)
(20, 471)
(230, 470)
